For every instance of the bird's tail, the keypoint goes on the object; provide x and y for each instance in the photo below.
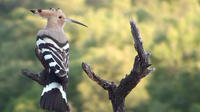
(54, 98)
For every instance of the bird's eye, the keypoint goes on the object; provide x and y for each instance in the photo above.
(60, 17)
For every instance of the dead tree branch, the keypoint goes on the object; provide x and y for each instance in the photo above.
(36, 77)
(117, 94)
(103, 83)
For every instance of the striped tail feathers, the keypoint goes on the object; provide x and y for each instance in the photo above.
(54, 98)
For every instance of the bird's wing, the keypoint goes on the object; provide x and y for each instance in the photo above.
(53, 57)
(66, 57)
(40, 57)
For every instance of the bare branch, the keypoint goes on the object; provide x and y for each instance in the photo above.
(103, 83)
(137, 38)
(143, 56)
(141, 64)
(140, 69)
(33, 76)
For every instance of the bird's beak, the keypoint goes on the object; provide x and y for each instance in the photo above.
(74, 21)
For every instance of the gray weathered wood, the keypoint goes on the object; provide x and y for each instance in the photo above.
(118, 93)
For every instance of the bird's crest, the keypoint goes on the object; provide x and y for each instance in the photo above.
(56, 17)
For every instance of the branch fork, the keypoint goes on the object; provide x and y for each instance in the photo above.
(118, 93)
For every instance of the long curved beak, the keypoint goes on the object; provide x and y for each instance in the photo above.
(74, 21)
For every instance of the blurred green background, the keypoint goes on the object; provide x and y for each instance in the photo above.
(170, 30)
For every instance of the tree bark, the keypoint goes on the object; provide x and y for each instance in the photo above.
(117, 94)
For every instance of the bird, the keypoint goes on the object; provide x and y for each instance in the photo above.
(52, 50)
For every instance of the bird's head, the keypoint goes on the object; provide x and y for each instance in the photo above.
(56, 18)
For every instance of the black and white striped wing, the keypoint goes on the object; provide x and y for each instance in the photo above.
(53, 57)
(66, 57)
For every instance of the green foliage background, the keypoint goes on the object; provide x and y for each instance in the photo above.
(170, 30)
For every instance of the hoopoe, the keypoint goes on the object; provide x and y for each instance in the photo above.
(53, 47)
